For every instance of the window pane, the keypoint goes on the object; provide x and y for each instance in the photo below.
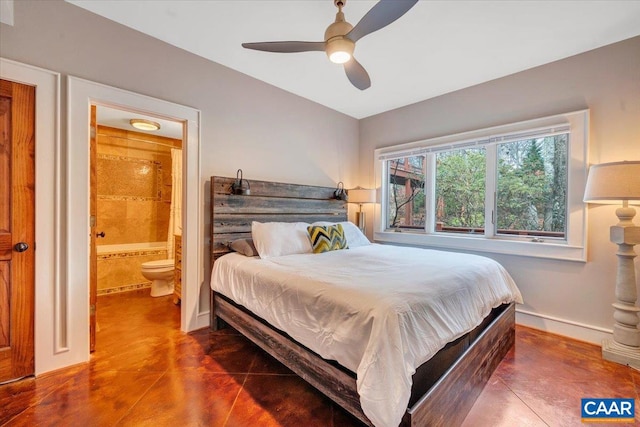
(532, 187)
(460, 190)
(405, 207)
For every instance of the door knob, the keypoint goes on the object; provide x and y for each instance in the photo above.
(21, 247)
(100, 234)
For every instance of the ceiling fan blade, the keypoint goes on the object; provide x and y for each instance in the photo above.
(382, 14)
(356, 74)
(285, 47)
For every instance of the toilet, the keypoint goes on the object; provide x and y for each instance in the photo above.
(160, 272)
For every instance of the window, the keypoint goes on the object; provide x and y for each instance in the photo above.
(532, 187)
(510, 189)
(460, 189)
(406, 193)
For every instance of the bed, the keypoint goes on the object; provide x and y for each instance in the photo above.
(449, 372)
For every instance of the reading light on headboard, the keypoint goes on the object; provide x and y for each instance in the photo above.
(340, 194)
(239, 187)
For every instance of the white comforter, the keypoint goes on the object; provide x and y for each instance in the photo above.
(380, 311)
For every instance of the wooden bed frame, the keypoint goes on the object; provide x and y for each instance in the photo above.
(444, 388)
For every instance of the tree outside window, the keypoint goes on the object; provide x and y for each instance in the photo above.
(532, 187)
(460, 190)
(406, 202)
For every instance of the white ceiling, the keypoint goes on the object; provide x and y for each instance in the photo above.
(436, 48)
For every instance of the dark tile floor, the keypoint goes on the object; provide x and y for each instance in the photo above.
(145, 372)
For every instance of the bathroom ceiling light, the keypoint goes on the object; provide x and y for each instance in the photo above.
(143, 124)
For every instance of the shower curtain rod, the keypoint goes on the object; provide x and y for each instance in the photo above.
(140, 140)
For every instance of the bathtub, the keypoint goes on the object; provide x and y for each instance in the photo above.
(118, 266)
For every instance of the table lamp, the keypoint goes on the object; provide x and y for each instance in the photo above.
(619, 183)
(361, 196)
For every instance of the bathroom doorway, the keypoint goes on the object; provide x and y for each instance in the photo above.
(71, 317)
(135, 207)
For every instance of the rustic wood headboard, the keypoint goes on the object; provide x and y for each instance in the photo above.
(231, 215)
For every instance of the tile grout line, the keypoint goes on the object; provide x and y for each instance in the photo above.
(523, 402)
(246, 376)
(141, 396)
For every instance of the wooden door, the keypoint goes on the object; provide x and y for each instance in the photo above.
(17, 229)
(93, 218)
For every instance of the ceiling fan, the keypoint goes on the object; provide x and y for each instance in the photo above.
(340, 37)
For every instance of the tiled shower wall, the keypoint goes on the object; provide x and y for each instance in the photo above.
(134, 198)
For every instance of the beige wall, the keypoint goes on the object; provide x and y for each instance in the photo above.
(572, 298)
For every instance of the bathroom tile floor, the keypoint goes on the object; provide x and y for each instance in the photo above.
(145, 372)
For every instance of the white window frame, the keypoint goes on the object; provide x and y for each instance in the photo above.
(572, 247)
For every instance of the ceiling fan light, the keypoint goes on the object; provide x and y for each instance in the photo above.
(339, 57)
(339, 50)
(143, 124)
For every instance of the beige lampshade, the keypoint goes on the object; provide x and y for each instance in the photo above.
(612, 183)
(361, 195)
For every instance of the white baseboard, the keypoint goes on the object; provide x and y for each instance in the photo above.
(579, 331)
(203, 320)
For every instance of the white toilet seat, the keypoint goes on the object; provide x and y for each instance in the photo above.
(158, 264)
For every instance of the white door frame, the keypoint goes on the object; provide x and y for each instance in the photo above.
(81, 94)
(50, 347)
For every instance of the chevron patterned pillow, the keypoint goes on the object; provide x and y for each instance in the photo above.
(325, 238)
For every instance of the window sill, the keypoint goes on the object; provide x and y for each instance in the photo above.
(481, 244)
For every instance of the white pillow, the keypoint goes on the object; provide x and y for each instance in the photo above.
(280, 238)
(354, 235)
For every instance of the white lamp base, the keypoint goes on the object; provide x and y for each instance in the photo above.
(620, 353)
(624, 348)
